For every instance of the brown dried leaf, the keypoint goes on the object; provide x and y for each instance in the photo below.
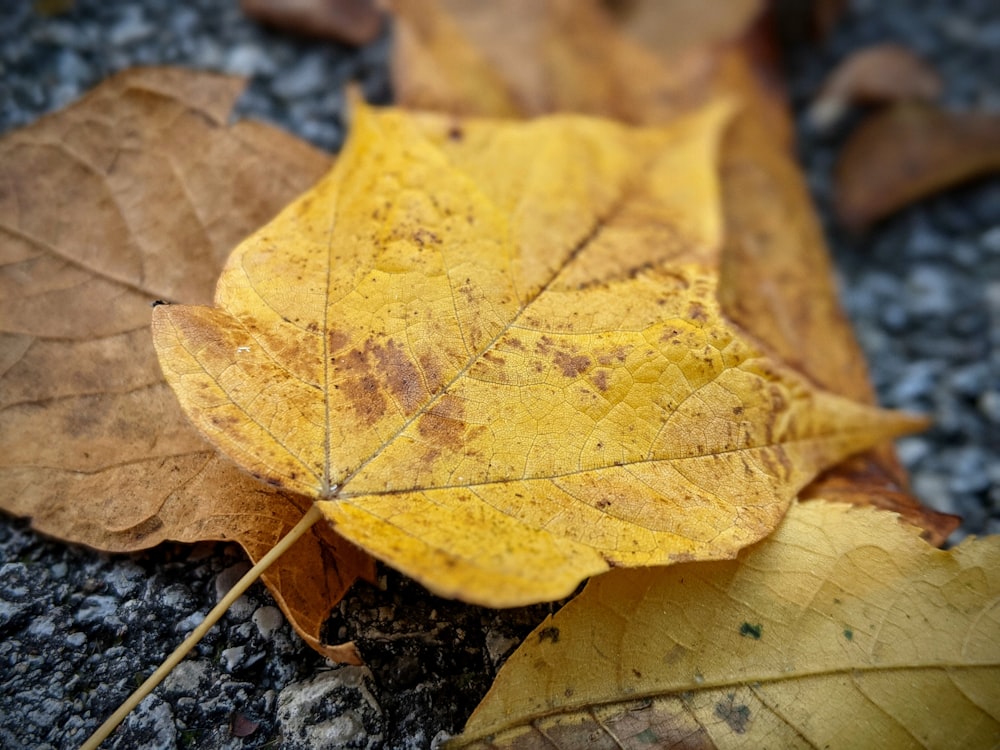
(881, 73)
(532, 57)
(135, 193)
(908, 152)
(673, 27)
(877, 479)
(354, 22)
(778, 283)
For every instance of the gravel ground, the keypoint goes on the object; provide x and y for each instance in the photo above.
(80, 629)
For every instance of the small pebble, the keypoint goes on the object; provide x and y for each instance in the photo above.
(268, 620)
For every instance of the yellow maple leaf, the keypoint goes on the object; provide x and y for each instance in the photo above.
(492, 352)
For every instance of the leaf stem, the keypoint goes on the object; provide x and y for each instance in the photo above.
(199, 632)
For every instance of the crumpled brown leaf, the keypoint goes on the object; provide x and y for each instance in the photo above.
(880, 73)
(908, 152)
(137, 193)
(351, 21)
(677, 26)
(531, 57)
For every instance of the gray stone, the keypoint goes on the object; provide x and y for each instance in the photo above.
(989, 404)
(189, 623)
(40, 627)
(308, 77)
(178, 598)
(244, 606)
(990, 239)
(189, 677)
(132, 27)
(968, 469)
(268, 620)
(233, 657)
(97, 609)
(932, 489)
(929, 291)
(333, 709)
(970, 380)
(248, 60)
(10, 611)
(917, 382)
(911, 450)
(125, 578)
(152, 723)
(14, 581)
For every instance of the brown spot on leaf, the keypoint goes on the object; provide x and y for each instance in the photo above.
(424, 236)
(571, 365)
(782, 456)
(736, 715)
(401, 375)
(224, 420)
(366, 398)
(548, 634)
(443, 425)
(670, 336)
(601, 379)
(611, 562)
(618, 354)
(336, 340)
(544, 345)
(432, 371)
(696, 311)
(778, 402)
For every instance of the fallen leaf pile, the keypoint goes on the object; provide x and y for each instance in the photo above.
(503, 346)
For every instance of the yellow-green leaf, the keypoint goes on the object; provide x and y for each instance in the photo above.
(842, 629)
(493, 352)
